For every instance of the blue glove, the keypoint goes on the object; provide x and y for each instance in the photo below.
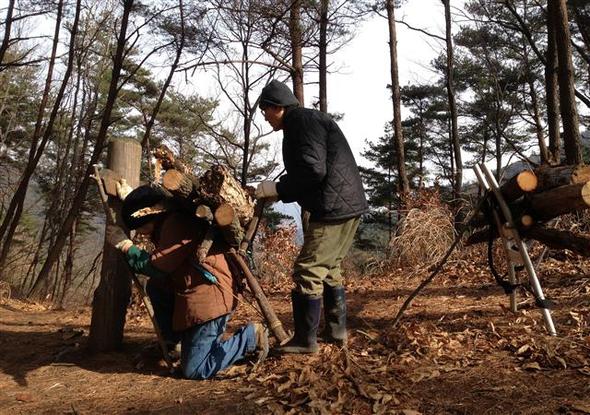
(208, 276)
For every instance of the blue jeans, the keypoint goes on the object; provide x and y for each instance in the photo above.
(204, 354)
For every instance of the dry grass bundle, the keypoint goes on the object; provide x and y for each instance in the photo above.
(424, 233)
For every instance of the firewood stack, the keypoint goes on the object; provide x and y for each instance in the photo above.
(216, 196)
(536, 197)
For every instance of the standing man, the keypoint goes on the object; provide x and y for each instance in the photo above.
(324, 179)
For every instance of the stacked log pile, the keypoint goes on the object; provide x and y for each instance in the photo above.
(535, 198)
(216, 196)
(219, 199)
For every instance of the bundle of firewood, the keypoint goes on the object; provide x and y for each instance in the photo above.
(535, 197)
(216, 196)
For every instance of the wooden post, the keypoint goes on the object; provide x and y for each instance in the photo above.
(111, 297)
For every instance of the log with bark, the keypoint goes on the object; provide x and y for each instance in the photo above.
(521, 183)
(229, 225)
(165, 159)
(182, 185)
(217, 186)
(551, 177)
(558, 191)
(559, 201)
(560, 239)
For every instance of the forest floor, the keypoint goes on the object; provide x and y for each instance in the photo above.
(458, 350)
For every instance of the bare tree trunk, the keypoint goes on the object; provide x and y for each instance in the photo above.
(15, 207)
(404, 185)
(68, 270)
(80, 195)
(451, 158)
(530, 77)
(297, 69)
(567, 96)
(179, 48)
(296, 50)
(543, 150)
(498, 141)
(454, 133)
(551, 88)
(527, 33)
(582, 21)
(7, 29)
(421, 153)
(247, 126)
(323, 52)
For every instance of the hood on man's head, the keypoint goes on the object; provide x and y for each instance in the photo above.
(142, 205)
(278, 94)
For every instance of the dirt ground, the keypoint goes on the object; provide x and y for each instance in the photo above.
(458, 350)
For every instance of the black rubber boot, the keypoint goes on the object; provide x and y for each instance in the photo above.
(306, 315)
(335, 315)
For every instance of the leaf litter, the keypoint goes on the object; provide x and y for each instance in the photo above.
(457, 350)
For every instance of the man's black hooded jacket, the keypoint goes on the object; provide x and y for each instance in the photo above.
(322, 175)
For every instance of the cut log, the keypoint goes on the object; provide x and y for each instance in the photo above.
(165, 157)
(204, 212)
(559, 239)
(551, 177)
(229, 225)
(180, 184)
(560, 201)
(524, 182)
(225, 215)
(218, 186)
(527, 221)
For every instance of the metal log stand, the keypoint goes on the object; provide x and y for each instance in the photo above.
(515, 250)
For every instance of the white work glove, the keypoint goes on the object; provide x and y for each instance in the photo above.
(118, 238)
(124, 245)
(267, 190)
(123, 189)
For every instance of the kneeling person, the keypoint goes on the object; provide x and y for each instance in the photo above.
(192, 301)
